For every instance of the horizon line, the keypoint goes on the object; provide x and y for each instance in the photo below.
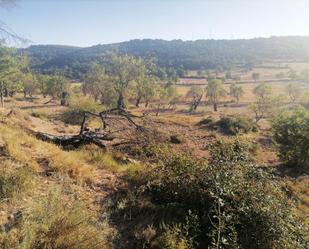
(168, 40)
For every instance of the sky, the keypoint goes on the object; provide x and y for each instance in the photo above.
(90, 22)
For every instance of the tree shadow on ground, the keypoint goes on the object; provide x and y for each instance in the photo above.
(285, 170)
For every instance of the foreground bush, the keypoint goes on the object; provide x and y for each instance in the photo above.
(226, 203)
(56, 221)
(291, 132)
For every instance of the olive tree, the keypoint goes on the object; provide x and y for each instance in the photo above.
(6, 69)
(124, 70)
(150, 89)
(57, 88)
(215, 91)
(255, 76)
(30, 85)
(144, 89)
(165, 95)
(294, 91)
(236, 92)
(195, 94)
(99, 85)
(262, 91)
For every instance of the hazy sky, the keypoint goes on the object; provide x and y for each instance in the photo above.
(89, 22)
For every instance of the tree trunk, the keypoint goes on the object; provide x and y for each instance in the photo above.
(195, 105)
(120, 102)
(1, 95)
(158, 109)
(197, 102)
(215, 106)
(138, 100)
(63, 100)
(5, 92)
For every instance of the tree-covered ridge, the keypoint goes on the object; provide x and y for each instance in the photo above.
(41, 54)
(189, 55)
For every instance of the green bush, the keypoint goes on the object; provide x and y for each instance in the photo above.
(233, 151)
(291, 132)
(231, 125)
(211, 205)
(237, 124)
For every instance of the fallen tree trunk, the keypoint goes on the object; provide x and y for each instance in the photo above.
(100, 137)
(75, 141)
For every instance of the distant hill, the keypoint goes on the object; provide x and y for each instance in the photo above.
(189, 55)
(40, 54)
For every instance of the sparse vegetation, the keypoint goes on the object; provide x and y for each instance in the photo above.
(155, 144)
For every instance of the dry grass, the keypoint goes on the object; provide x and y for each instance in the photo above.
(31, 152)
(113, 162)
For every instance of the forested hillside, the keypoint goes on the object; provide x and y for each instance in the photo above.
(41, 54)
(178, 54)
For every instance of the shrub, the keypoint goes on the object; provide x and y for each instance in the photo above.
(231, 125)
(177, 139)
(233, 151)
(291, 132)
(215, 205)
(237, 124)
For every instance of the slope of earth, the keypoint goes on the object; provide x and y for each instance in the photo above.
(95, 174)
